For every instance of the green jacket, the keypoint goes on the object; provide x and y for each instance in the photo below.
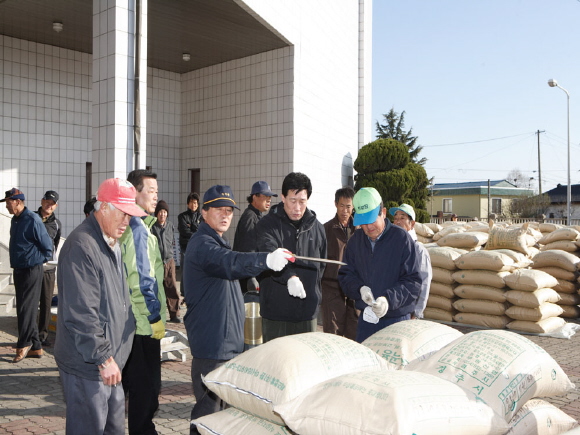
(144, 272)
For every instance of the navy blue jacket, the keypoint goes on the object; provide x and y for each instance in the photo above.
(275, 230)
(30, 243)
(392, 270)
(215, 306)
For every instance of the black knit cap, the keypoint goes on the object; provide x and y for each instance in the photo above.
(161, 205)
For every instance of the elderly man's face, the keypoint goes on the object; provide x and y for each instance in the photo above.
(403, 220)
(295, 204)
(375, 229)
(162, 216)
(218, 218)
(14, 206)
(114, 222)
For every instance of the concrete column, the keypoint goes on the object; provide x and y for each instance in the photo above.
(114, 48)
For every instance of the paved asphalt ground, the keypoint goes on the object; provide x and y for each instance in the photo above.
(31, 398)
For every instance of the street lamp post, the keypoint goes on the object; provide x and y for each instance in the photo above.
(554, 84)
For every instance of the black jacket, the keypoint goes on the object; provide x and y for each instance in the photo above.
(275, 230)
(245, 238)
(187, 224)
(53, 228)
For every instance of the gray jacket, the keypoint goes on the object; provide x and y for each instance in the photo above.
(95, 320)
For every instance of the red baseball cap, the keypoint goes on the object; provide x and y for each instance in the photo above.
(121, 194)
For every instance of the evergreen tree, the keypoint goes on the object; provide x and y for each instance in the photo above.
(394, 128)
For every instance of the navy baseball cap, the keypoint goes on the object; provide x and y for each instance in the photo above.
(219, 196)
(262, 188)
(13, 193)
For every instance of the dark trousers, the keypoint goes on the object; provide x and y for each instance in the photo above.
(46, 294)
(170, 286)
(142, 382)
(27, 285)
(206, 402)
(272, 329)
(339, 315)
(92, 407)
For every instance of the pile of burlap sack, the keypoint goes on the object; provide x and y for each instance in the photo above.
(413, 377)
(521, 277)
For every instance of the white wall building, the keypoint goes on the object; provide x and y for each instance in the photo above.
(270, 87)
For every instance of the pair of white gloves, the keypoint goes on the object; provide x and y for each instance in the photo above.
(276, 261)
(379, 306)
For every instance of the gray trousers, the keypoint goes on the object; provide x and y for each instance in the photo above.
(92, 408)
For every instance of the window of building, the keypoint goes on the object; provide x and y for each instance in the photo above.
(496, 205)
(447, 205)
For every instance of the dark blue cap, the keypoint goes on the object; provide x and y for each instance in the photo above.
(219, 196)
(262, 188)
(13, 193)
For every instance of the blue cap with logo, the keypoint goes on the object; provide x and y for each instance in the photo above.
(219, 196)
(367, 206)
(262, 188)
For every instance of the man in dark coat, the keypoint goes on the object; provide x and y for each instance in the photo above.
(48, 205)
(245, 239)
(290, 299)
(215, 307)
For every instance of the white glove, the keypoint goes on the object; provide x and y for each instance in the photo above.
(295, 288)
(278, 259)
(380, 306)
(367, 295)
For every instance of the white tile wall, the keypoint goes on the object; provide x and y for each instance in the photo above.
(45, 117)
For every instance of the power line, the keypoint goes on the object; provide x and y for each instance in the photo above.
(475, 141)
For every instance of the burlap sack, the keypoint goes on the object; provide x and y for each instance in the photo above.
(433, 227)
(538, 417)
(545, 326)
(424, 230)
(444, 257)
(565, 233)
(529, 280)
(502, 368)
(438, 314)
(485, 260)
(436, 301)
(556, 258)
(570, 311)
(478, 291)
(424, 240)
(449, 230)
(485, 320)
(502, 238)
(444, 276)
(389, 402)
(463, 240)
(445, 290)
(280, 370)
(566, 286)
(403, 342)
(544, 311)
(557, 272)
(568, 299)
(562, 245)
(481, 277)
(480, 306)
(533, 299)
(520, 260)
(548, 227)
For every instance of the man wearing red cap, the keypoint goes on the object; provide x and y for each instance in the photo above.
(29, 247)
(95, 325)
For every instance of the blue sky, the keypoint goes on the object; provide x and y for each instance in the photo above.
(466, 72)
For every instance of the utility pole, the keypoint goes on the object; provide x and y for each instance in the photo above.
(539, 164)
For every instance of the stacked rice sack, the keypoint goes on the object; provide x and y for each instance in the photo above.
(481, 293)
(534, 302)
(441, 292)
(461, 235)
(412, 377)
(425, 232)
(559, 258)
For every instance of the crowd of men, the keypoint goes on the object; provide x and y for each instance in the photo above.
(117, 284)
